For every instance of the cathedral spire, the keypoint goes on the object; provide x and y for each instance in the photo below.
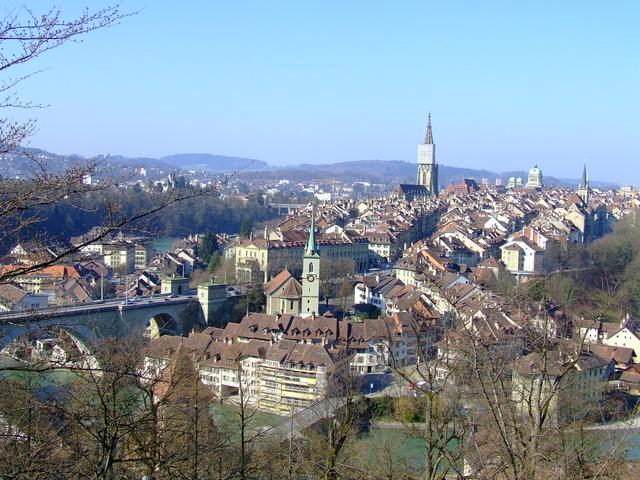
(427, 166)
(428, 136)
(312, 248)
(583, 189)
(585, 176)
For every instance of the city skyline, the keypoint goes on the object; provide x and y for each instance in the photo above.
(509, 87)
(384, 318)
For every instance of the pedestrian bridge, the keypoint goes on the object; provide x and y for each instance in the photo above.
(172, 314)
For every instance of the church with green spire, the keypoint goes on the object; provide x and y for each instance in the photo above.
(583, 189)
(286, 295)
(311, 273)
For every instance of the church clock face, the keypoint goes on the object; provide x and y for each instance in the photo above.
(311, 277)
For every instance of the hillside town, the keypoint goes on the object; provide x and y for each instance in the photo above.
(355, 288)
(236, 244)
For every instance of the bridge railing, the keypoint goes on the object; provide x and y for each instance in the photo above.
(321, 414)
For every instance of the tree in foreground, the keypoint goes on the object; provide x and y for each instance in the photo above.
(25, 202)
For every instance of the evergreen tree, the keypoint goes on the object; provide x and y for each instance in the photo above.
(209, 246)
(245, 228)
(214, 262)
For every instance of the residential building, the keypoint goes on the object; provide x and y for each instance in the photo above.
(12, 297)
(383, 246)
(571, 383)
(120, 256)
(276, 373)
(408, 270)
(143, 254)
(293, 375)
(522, 257)
(627, 334)
(375, 289)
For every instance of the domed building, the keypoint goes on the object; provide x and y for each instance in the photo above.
(534, 179)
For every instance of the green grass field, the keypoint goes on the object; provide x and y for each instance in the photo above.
(393, 444)
(225, 415)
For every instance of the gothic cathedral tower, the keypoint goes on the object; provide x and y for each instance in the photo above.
(427, 166)
(311, 273)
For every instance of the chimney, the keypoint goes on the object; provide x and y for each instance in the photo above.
(266, 233)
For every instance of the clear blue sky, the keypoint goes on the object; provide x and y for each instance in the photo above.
(509, 83)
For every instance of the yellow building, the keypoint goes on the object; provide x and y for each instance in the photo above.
(120, 256)
(294, 375)
(260, 259)
(513, 258)
(579, 388)
(282, 376)
(383, 246)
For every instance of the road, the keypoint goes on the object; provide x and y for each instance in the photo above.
(97, 306)
(389, 384)
(631, 424)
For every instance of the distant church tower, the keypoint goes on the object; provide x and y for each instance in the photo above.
(311, 272)
(583, 189)
(427, 166)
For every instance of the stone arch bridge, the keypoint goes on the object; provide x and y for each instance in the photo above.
(173, 314)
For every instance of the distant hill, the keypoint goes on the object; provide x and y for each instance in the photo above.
(22, 164)
(391, 172)
(213, 163)
(387, 172)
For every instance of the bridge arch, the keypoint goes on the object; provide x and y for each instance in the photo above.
(162, 323)
(82, 336)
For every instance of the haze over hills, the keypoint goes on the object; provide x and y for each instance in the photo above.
(372, 171)
(22, 164)
(397, 171)
(213, 163)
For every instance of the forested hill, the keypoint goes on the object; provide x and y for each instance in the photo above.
(62, 220)
(22, 164)
(374, 171)
(213, 163)
(392, 172)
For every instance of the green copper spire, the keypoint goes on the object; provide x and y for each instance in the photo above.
(312, 248)
(585, 176)
(583, 189)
